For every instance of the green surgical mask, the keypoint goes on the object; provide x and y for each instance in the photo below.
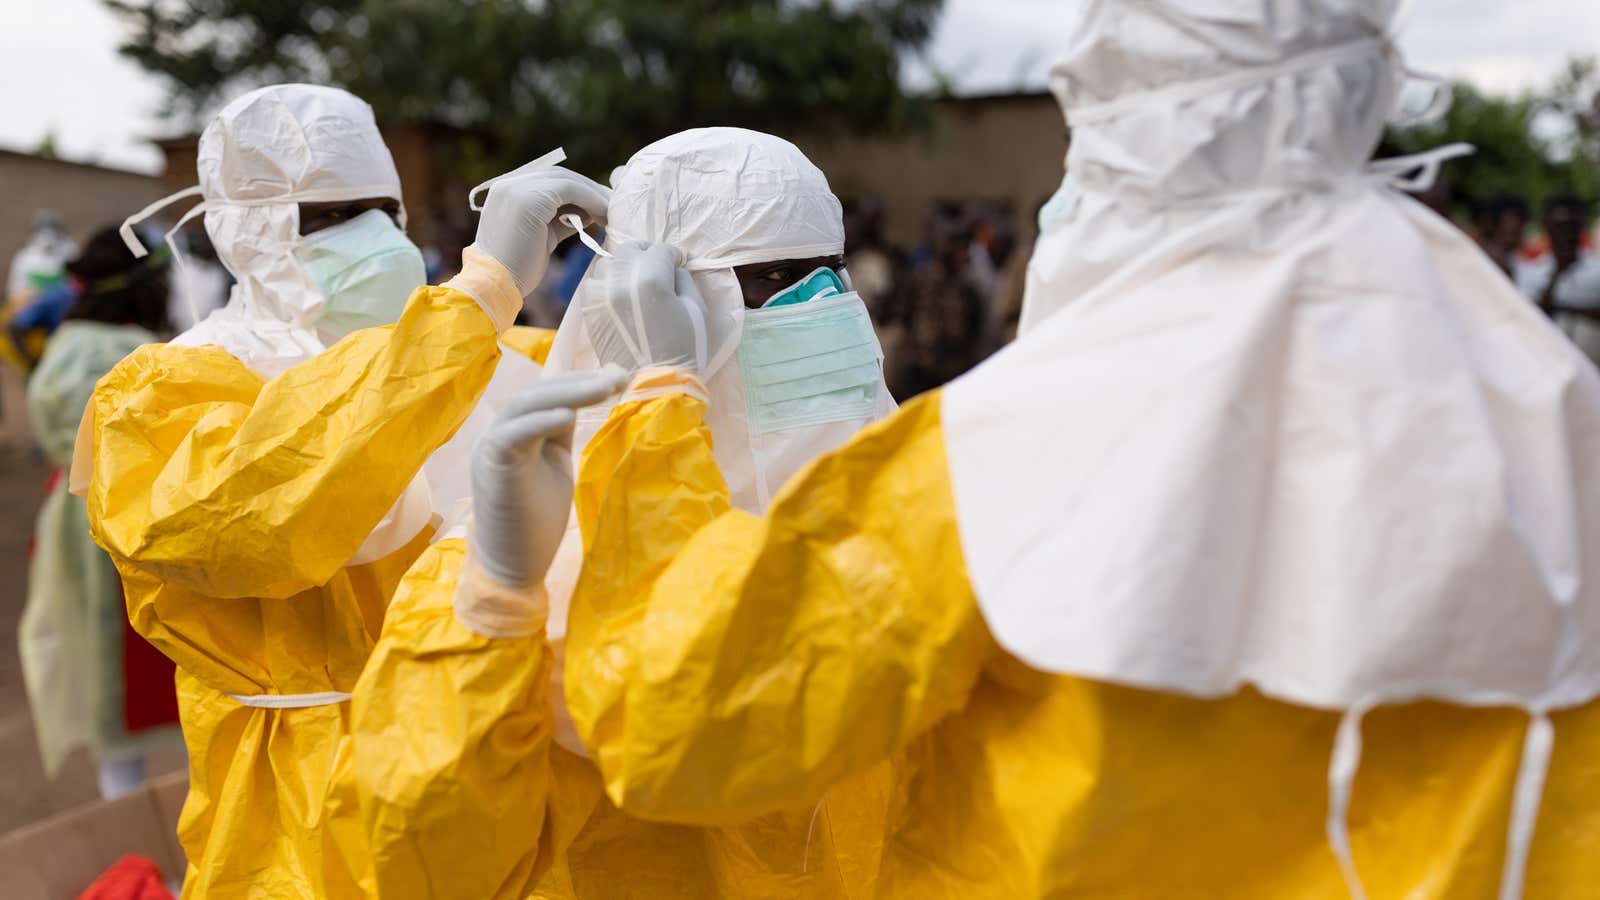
(822, 282)
(366, 269)
(810, 363)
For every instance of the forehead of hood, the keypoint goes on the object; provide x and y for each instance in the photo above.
(1122, 47)
(726, 196)
(293, 142)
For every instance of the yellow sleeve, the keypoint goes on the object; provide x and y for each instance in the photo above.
(534, 343)
(450, 748)
(719, 664)
(207, 477)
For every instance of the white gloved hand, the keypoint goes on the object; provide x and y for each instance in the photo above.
(645, 311)
(522, 476)
(519, 225)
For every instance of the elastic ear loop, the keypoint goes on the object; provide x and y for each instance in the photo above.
(140, 251)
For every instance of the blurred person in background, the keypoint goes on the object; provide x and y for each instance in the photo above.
(1012, 281)
(877, 270)
(38, 292)
(1565, 280)
(41, 261)
(945, 315)
(983, 258)
(869, 256)
(32, 320)
(91, 680)
(200, 286)
(1500, 227)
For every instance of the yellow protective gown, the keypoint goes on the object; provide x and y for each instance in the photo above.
(463, 793)
(230, 506)
(773, 656)
(534, 343)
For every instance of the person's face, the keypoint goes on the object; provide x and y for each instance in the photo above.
(1564, 225)
(760, 281)
(316, 216)
(1508, 229)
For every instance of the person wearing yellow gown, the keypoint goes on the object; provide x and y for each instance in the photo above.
(259, 481)
(1263, 564)
(470, 782)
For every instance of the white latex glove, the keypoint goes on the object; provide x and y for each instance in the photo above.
(519, 225)
(522, 477)
(645, 311)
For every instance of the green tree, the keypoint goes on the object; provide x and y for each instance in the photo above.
(46, 148)
(1527, 146)
(602, 77)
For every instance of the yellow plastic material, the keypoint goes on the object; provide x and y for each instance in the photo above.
(463, 793)
(33, 341)
(534, 343)
(230, 506)
(772, 656)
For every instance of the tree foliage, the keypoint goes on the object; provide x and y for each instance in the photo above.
(602, 77)
(1528, 146)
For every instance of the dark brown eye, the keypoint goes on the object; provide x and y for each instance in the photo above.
(777, 276)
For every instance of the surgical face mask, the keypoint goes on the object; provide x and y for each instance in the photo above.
(366, 269)
(822, 282)
(1058, 207)
(810, 363)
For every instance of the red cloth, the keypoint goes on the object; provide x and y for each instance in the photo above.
(130, 878)
(149, 689)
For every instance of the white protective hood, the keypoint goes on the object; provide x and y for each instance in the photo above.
(723, 197)
(263, 155)
(1271, 422)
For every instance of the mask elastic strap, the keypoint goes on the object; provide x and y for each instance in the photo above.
(728, 348)
(1341, 784)
(1525, 798)
(1392, 171)
(177, 259)
(131, 237)
(554, 157)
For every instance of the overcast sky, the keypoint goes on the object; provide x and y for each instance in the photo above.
(61, 72)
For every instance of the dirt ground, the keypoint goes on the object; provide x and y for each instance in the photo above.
(26, 795)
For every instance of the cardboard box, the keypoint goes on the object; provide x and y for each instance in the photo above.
(58, 858)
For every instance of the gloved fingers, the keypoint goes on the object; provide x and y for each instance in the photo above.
(688, 293)
(650, 275)
(566, 389)
(683, 285)
(510, 440)
(587, 197)
(563, 190)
